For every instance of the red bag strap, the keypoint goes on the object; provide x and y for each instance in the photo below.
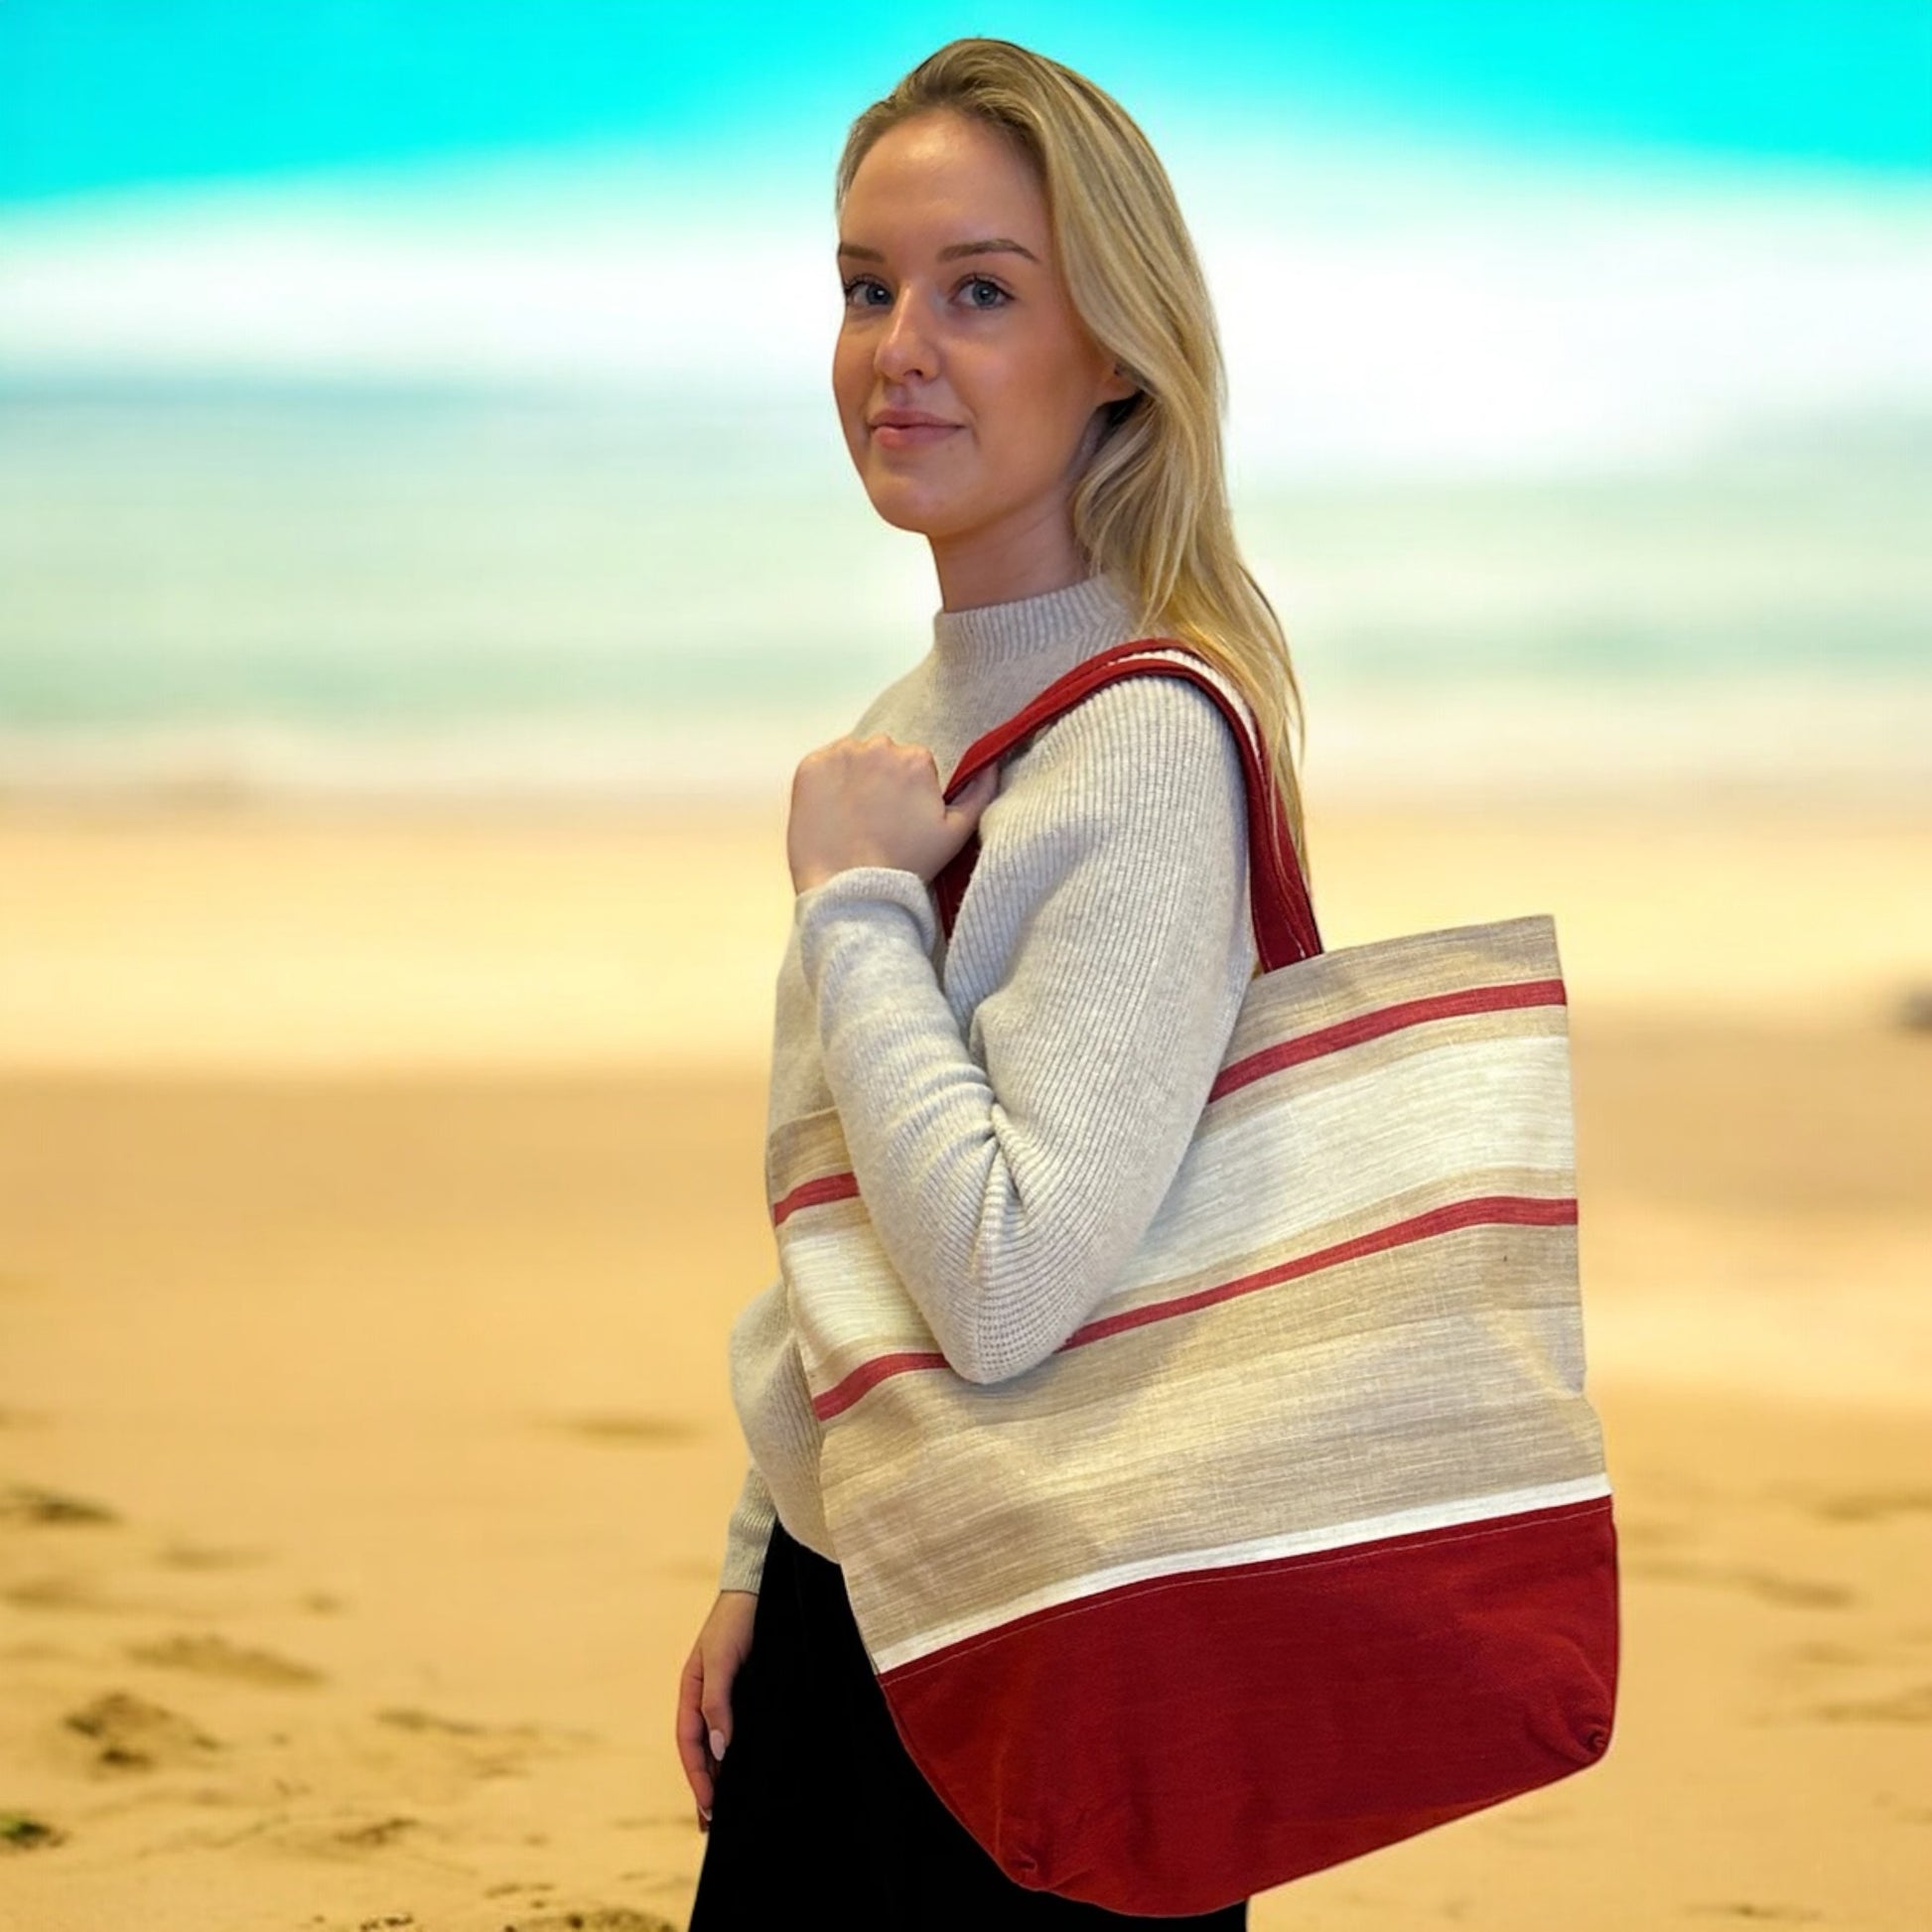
(1284, 919)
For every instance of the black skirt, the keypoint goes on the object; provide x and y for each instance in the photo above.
(817, 1803)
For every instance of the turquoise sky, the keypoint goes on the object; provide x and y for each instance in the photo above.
(104, 94)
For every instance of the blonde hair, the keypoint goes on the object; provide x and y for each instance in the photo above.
(1152, 504)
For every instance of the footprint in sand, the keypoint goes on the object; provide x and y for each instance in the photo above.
(207, 1556)
(384, 1922)
(129, 1734)
(1769, 1914)
(486, 1750)
(1867, 1505)
(1823, 1656)
(1911, 1705)
(215, 1656)
(62, 1593)
(594, 1918)
(638, 1428)
(27, 1502)
(1800, 1592)
(21, 1832)
(408, 1718)
(380, 1831)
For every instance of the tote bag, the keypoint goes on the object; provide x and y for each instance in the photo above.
(1301, 1543)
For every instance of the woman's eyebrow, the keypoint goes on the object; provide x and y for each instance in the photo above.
(993, 245)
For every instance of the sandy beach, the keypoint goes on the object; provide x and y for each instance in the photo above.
(376, 1194)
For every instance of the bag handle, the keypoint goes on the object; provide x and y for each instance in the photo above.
(1284, 919)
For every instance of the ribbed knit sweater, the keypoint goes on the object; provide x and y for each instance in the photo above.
(1014, 1101)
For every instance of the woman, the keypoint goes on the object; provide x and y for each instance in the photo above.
(1028, 374)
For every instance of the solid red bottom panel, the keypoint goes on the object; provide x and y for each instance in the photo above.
(1174, 1746)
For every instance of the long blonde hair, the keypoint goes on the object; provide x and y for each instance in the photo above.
(1152, 504)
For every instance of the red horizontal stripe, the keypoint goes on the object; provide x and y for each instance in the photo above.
(867, 1375)
(814, 1194)
(1520, 1210)
(1510, 1210)
(1386, 1020)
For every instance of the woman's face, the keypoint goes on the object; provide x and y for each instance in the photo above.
(954, 308)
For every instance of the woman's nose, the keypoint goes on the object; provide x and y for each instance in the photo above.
(905, 345)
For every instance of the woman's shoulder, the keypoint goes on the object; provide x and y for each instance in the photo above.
(1136, 797)
(1174, 723)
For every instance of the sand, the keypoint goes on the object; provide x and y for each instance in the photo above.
(375, 1197)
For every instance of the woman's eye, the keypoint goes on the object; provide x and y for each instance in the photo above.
(975, 282)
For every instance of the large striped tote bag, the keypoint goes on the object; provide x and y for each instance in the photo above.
(1302, 1543)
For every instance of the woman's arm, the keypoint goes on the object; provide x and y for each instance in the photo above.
(746, 1533)
(1011, 1171)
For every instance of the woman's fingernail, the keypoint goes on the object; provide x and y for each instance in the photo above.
(718, 1745)
(704, 1818)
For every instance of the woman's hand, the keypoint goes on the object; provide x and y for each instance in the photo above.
(872, 801)
(703, 1710)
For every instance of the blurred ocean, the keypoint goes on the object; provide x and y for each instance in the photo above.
(372, 591)
(468, 437)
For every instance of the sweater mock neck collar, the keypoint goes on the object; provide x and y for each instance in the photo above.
(1070, 624)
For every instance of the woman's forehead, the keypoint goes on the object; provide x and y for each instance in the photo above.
(938, 181)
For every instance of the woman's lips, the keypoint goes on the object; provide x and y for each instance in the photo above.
(910, 436)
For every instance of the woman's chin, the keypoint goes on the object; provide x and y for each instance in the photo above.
(910, 510)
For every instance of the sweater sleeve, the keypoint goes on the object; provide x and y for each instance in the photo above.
(1010, 1169)
(746, 1533)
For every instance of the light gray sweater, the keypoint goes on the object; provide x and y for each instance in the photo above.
(1015, 1102)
